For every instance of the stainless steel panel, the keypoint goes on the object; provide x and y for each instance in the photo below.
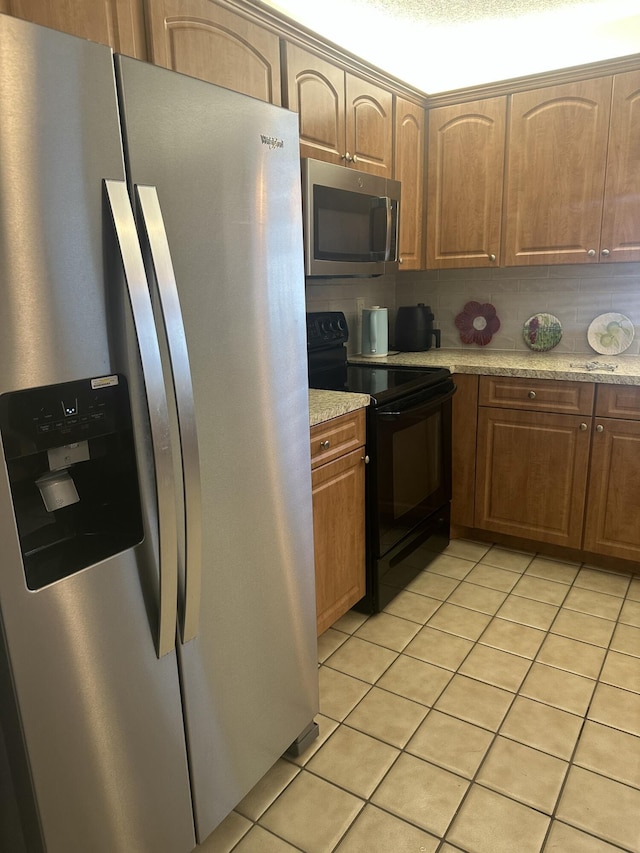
(100, 715)
(226, 169)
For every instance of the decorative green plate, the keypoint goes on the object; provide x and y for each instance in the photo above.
(610, 334)
(542, 332)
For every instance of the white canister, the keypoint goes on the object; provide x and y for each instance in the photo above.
(375, 331)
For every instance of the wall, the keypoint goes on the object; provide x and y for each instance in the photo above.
(575, 294)
(342, 295)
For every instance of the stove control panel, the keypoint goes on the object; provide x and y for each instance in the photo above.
(326, 328)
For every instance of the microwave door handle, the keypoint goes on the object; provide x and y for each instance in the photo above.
(160, 254)
(389, 234)
(149, 350)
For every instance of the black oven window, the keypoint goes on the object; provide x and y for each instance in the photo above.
(417, 469)
(349, 226)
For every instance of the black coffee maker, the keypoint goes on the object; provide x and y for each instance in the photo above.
(414, 328)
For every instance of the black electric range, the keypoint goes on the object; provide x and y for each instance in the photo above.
(408, 475)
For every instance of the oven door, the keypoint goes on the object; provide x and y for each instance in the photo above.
(410, 479)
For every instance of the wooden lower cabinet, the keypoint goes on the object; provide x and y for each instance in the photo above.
(555, 464)
(531, 474)
(338, 516)
(612, 523)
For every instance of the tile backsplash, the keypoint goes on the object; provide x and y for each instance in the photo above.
(575, 294)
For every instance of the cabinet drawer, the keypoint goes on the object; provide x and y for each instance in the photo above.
(336, 437)
(618, 401)
(539, 395)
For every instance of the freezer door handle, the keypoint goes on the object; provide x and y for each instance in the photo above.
(142, 311)
(160, 254)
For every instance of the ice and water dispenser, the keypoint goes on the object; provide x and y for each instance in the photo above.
(71, 461)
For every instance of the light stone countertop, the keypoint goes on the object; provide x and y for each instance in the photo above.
(324, 405)
(537, 365)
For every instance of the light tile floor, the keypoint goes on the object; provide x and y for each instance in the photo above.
(494, 707)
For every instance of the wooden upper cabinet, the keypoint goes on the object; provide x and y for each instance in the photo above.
(118, 23)
(369, 126)
(343, 119)
(465, 179)
(555, 180)
(409, 170)
(204, 40)
(315, 90)
(620, 239)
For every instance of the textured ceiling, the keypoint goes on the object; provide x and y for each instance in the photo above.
(439, 45)
(464, 11)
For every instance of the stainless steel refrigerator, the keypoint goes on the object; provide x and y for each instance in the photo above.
(157, 609)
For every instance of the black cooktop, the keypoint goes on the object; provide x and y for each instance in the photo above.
(329, 369)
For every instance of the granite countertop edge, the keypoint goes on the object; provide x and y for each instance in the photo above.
(325, 405)
(579, 367)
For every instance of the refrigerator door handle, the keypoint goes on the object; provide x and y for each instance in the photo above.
(142, 310)
(158, 244)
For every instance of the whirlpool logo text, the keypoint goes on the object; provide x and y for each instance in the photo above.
(272, 141)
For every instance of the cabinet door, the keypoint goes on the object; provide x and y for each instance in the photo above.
(118, 23)
(315, 90)
(531, 474)
(620, 239)
(204, 40)
(409, 170)
(613, 505)
(369, 127)
(557, 148)
(338, 525)
(465, 179)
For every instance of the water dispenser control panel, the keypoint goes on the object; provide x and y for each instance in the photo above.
(71, 462)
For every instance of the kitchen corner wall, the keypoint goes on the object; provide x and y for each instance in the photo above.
(342, 294)
(575, 294)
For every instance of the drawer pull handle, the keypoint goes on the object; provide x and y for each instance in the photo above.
(599, 428)
(532, 395)
(583, 427)
(325, 445)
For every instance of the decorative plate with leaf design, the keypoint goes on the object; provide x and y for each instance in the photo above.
(610, 334)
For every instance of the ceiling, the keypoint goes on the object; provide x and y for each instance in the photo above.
(439, 45)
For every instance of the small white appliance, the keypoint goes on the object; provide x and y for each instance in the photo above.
(375, 331)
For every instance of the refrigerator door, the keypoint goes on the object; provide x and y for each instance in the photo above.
(226, 171)
(91, 717)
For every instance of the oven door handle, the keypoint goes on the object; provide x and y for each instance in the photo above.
(418, 401)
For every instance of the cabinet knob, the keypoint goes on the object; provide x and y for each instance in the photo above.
(591, 253)
(532, 395)
(365, 459)
(583, 427)
(326, 444)
(492, 257)
(605, 253)
(400, 260)
(599, 428)
(346, 156)
(354, 159)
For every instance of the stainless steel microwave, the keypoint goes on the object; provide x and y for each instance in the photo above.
(351, 221)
